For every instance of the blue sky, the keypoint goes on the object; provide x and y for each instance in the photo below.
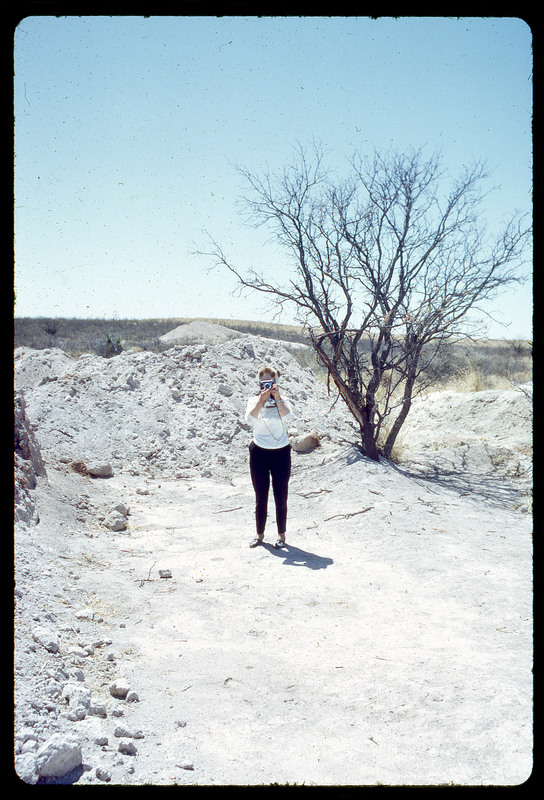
(128, 130)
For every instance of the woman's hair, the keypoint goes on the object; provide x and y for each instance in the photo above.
(274, 371)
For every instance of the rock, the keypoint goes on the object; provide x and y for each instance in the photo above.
(225, 390)
(47, 639)
(119, 508)
(115, 522)
(305, 443)
(58, 756)
(26, 767)
(122, 733)
(100, 470)
(25, 735)
(103, 774)
(127, 747)
(79, 699)
(77, 651)
(165, 573)
(98, 709)
(133, 697)
(119, 688)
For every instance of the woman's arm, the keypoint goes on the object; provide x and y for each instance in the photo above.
(254, 405)
(283, 407)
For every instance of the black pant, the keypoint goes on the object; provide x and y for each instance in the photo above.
(263, 463)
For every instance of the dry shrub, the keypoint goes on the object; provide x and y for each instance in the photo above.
(79, 467)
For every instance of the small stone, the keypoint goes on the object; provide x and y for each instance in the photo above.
(98, 709)
(47, 639)
(120, 508)
(119, 688)
(103, 774)
(100, 470)
(77, 651)
(79, 698)
(133, 697)
(115, 522)
(127, 747)
(165, 573)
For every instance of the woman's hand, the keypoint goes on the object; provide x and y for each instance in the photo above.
(261, 400)
(265, 395)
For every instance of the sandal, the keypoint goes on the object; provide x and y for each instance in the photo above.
(279, 544)
(255, 542)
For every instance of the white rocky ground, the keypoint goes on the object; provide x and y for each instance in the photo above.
(390, 642)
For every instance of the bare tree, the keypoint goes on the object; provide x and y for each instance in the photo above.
(387, 265)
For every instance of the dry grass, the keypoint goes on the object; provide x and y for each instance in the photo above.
(475, 366)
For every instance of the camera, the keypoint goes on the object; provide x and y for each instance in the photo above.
(271, 402)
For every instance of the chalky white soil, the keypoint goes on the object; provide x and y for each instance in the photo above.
(389, 643)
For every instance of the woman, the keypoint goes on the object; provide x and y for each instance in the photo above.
(269, 452)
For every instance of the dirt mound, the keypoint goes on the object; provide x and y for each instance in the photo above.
(482, 432)
(177, 413)
(36, 367)
(199, 333)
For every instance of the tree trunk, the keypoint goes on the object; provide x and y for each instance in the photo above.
(363, 416)
(368, 437)
(361, 411)
(397, 425)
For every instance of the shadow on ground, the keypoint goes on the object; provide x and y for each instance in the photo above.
(298, 558)
(492, 489)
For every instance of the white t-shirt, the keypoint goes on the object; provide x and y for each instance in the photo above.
(269, 429)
